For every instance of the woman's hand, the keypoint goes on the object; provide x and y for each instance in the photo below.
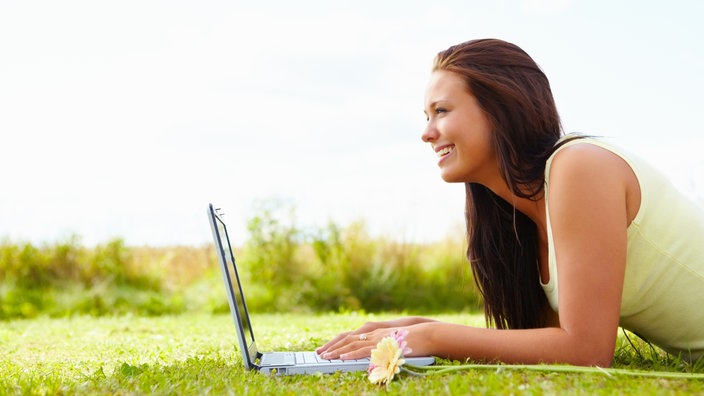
(358, 344)
(355, 344)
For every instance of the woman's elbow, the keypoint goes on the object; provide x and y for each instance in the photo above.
(593, 357)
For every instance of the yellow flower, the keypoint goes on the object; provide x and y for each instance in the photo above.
(386, 361)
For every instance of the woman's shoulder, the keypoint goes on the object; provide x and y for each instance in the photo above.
(587, 155)
(596, 170)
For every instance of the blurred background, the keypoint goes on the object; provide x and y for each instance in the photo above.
(120, 121)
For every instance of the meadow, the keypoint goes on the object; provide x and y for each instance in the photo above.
(118, 319)
(195, 354)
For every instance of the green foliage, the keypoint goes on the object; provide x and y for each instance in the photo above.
(341, 269)
(284, 267)
(270, 256)
(67, 278)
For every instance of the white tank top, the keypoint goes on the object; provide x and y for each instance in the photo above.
(663, 291)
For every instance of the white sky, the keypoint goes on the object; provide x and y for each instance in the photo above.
(125, 118)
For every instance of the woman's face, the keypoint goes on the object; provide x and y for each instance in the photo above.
(458, 131)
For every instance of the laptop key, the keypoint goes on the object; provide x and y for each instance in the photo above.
(321, 360)
(310, 357)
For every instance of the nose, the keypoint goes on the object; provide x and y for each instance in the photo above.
(430, 133)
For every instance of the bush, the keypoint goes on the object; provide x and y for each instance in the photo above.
(283, 267)
(67, 278)
(339, 269)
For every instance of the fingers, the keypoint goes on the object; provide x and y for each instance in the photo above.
(351, 345)
(355, 344)
(361, 353)
(339, 341)
(363, 329)
(334, 341)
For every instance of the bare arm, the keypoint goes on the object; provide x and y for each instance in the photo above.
(591, 204)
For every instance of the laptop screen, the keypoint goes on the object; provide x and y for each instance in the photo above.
(232, 276)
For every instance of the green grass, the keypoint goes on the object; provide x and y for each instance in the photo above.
(195, 354)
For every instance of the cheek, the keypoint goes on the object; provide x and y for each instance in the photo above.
(452, 130)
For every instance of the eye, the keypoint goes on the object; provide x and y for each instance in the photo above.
(435, 111)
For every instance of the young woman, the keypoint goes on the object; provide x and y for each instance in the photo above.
(569, 237)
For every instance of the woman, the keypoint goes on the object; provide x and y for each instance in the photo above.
(545, 210)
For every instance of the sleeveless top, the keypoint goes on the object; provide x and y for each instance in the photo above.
(663, 290)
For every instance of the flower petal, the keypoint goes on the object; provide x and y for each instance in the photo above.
(386, 360)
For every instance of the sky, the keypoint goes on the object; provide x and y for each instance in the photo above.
(124, 119)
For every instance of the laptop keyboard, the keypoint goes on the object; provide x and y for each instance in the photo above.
(290, 358)
(312, 358)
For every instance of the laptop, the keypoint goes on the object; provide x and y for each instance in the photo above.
(280, 363)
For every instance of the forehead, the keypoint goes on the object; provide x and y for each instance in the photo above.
(443, 85)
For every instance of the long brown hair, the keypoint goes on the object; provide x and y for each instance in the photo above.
(515, 95)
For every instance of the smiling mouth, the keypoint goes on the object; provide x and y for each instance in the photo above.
(445, 151)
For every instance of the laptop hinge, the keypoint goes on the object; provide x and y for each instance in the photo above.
(257, 358)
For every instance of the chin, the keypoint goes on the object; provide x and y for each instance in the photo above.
(463, 176)
(449, 178)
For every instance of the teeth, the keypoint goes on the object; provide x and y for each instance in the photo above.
(445, 151)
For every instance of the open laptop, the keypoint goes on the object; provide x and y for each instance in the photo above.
(271, 362)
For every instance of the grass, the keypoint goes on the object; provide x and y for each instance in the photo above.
(195, 354)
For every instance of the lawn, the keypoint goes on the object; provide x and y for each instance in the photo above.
(195, 354)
